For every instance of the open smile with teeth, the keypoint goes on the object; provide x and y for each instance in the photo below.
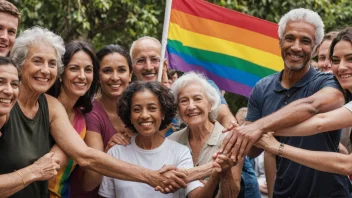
(42, 79)
(193, 114)
(3, 45)
(114, 86)
(5, 101)
(295, 57)
(80, 84)
(149, 74)
(345, 76)
(146, 123)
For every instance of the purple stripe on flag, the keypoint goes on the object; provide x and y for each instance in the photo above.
(176, 62)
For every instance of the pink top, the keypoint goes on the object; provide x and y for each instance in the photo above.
(98, 121)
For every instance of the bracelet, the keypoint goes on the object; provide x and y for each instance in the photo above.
(24, 183)
(280, 150)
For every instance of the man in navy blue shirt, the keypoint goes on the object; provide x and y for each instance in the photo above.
(290, 97)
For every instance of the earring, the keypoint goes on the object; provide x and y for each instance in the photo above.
(60, 79)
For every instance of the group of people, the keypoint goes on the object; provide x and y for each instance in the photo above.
(73, 124)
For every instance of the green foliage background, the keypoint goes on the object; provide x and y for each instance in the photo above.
(104, 22)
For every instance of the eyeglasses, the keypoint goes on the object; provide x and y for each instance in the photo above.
(143, 61)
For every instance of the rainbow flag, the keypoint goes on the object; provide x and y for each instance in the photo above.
(233, 49)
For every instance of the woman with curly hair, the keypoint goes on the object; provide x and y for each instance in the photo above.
(147, 108)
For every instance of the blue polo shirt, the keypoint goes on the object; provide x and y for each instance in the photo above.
(292, 179)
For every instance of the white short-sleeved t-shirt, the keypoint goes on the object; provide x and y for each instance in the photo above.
(168, 153)
(349, 106)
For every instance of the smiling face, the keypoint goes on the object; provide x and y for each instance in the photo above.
(193, 105)
(297, 44)
(9, 91)
(39, 69)
(323, 57)
(146, 60)
(78, 75)
(8, 31)
(342, 64)
(146, 113)
(114, 75)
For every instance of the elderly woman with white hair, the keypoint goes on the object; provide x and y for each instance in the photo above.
(38, 121)
(198, 104)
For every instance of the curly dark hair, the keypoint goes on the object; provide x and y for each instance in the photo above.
(165, 97)
(84, 103)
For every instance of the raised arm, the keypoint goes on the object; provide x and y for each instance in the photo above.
(72, 144)
(323, 161)
(323, 122)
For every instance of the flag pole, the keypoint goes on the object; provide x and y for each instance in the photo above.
(164, 37)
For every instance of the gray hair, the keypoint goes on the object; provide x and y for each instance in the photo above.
(209, 91)
(306, 15)
(142, 38)
(33, 36)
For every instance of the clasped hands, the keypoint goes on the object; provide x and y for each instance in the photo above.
(175, 178)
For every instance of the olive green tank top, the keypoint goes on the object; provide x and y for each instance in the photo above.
(24, 141)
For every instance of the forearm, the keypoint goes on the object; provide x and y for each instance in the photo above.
(225, 116)
(323, 161)
(199, 172)
(270, 172)
(208, 190)
(12, 182)
(229, 186)
(107, 165)
(91, 180)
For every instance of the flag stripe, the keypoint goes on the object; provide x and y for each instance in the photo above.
(210, 11)
(224, 31)
(220, 59)
(225, 84)
(219, 70)
(208, 43)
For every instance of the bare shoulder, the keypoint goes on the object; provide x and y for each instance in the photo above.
(54, 105)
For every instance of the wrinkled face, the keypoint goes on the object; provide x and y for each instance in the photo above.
(297, 44)
(342, 64)
(8, 31)
(39, 69)
(78, 75)
(146, 60)
(9, 83)
(114, 75)
(193, 105)
(323, 57)
(146, 113)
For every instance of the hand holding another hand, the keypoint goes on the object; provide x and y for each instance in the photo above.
(171, 179)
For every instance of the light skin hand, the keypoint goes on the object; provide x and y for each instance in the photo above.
(267, 140)
(120, 139)
(173, 179)
(46, 167)
(222, 163)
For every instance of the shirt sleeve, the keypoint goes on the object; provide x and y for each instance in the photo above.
(107, 188)
(93, 122)
(349, 106)
(328, 80)
(222, 99)
(254, 104)
(186, 162)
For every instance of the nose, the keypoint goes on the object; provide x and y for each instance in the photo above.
(8, 90)
(45, 68)
(191, 105)
(3, 34)
(342, 65)
(115, 76)
(296, 46)
(148, 64)
(144, 114)
(82, 74)
(327, 63)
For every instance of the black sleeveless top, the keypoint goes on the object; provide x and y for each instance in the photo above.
(24, 141)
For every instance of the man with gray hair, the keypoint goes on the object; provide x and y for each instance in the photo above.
(290, 97)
